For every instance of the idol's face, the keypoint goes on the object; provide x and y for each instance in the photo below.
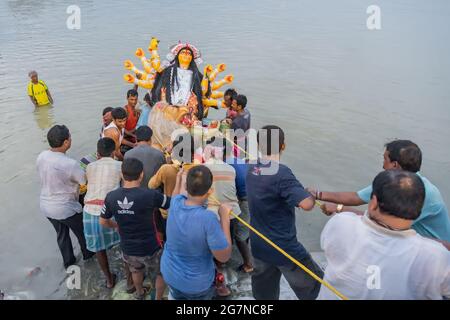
(185, 58)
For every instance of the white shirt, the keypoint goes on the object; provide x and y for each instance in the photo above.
(103, 176)
(224, 185)
(182, 91)
(113, 125)
(402, 264)
(60, 179)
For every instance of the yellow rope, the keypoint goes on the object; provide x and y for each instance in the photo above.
(303, 267)
(234, 144)
(299, 264)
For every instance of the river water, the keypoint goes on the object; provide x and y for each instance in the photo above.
(339, 90)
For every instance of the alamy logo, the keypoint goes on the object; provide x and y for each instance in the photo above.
(125, 206)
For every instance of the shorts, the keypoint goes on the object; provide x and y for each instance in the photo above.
(98, 237)
(240, 232)
(146, 264)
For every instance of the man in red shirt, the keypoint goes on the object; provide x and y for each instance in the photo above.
(129, 140)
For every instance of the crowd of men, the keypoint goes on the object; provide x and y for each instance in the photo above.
(176, 223)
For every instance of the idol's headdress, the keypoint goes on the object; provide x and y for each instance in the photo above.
(175, 49)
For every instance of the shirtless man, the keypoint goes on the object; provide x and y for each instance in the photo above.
(115, 130)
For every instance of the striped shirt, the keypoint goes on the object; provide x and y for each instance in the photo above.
(103, 176)
(224, 185)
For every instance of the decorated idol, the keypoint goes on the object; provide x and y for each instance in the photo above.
(181, 93)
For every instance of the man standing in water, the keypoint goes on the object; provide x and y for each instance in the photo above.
(273, 193)
(38, 91)
(115, 130)
(61, 178)
(129, 141)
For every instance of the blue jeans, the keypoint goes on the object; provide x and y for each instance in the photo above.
(175, 294)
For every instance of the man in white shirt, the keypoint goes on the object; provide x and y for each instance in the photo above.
(379, 255)
(61, 178)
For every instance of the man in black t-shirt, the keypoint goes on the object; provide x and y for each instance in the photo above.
(273, 193)
(132, 208)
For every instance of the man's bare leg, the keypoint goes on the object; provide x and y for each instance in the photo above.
(160, 286)
(138, 280)
(102, 259)
(130, 285)
(244, 250)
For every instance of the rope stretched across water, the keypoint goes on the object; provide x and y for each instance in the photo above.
(287, 255)
(295, 261)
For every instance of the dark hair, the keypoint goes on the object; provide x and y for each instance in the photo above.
(265, 133)
(106, 110)
(406, 153)
(230, 92)
(131, 169)
(148, 99)
(105, 147)
(179, 139)
(57, 135)
(199, 180)
(132, 93)
(144, 133)
(119, 113)
(169, 76)
(241, 100)
(399, 193)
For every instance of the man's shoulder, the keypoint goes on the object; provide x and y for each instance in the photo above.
(167, 167)
(156, 152)
(432, 194)
(147, 193)
(104, 162)
(431, 250)
(345, 218)
(114, 194)
(43, 154)
(340, 224)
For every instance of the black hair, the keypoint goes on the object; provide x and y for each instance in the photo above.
(119, 113)
(180, 154)
(169, 75)
(105, 147)
(230, 92)
(148, 99)
(57, 135)
(106, 110)
(144, 133)
(241, 100)
(131, 169)
(406, 153)
(132, 93)
(399, 193)
(265, 145)
(199, 180)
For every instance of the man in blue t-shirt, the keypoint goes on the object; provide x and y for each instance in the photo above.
(133, 208)
(273, 194)
(194, 237)
(433, 222)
